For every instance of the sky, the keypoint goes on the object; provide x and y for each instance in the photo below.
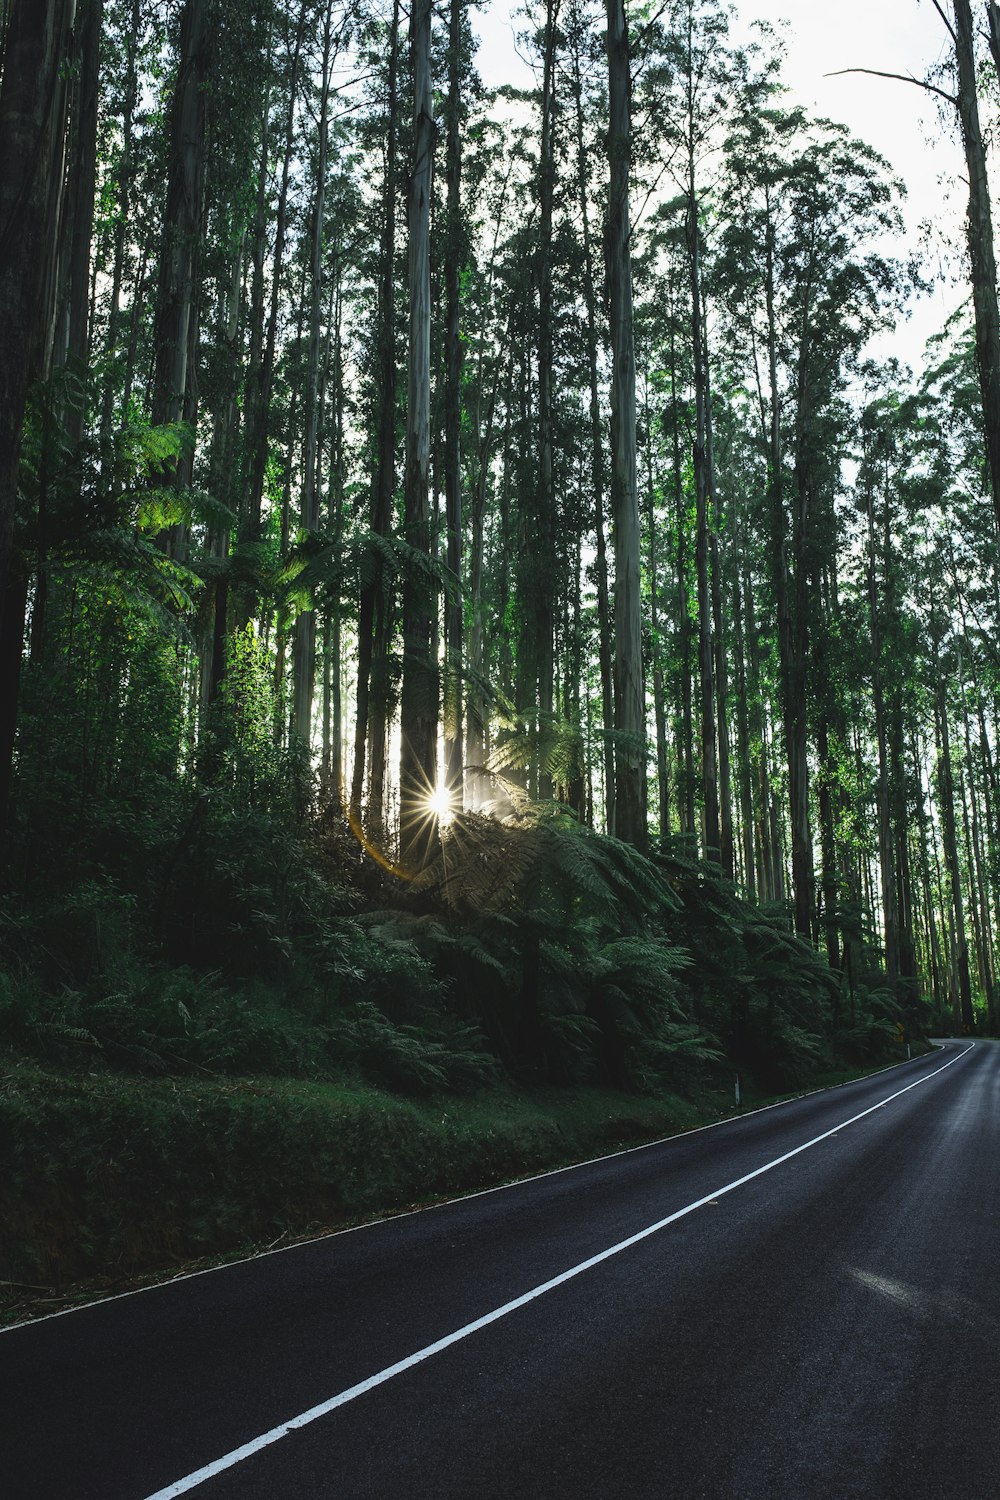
(898, 119)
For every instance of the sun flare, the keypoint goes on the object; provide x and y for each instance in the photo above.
(440, 804)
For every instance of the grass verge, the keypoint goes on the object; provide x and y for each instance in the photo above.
(109, 1182)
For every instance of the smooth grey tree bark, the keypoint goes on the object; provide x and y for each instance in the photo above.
(374, 618)
(304, 659)
(453, 620)
(605, 646)
(982, 257)
(630, 758)
(419, 694)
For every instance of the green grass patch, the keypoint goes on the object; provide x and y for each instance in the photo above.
(106, 1180)
(112, 1176)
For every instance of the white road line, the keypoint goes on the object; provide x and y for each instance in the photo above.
(247, 1450)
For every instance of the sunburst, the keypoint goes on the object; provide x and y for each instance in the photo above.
(441, 805)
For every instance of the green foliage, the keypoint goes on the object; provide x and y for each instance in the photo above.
(109, 1175)
(335, 569)
(238, 750)
(543, 744)
(776, 1007)
(410, 1058)
(222, 930)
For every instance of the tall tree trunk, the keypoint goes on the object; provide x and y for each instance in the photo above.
(419, 698)
(887, 863)
(796, 704)
(982, 259)
(721, 683)
(546, 564)
(575, 794)
(630, 758)
(221, 469)
(175, 303)
(597, 476)
(476, 717)
(827, 715)
(71, 280)
(978, 884)
(32, 126)
(124, 197)
(305, 624)
(453, 693)
(375, 614)
(260, 377)
(744, 763)
(499, 391)
(790, 643)
(659, 696)
(83, 181)
(686, 778)
(988, 957)
(333, 704)
(946, 783)
(934, 957)
(899, 812)
(979, 932)
(703, 500)
(720, 663)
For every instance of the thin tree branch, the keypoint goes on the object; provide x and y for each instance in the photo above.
(947, 23)
(902, 78)
(993, 18)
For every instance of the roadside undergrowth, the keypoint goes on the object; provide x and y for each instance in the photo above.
(109, 1182)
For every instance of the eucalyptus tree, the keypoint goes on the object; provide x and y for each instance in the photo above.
(125, 35)
(942, 657)
(630, 720)
(69, 283)
(331, 36)
(36, 63)
(73, 315)
(982, 257)
(538, 262)
(663, 281)
(175, 329)
(540, 635)
(584, 86)
(652, 500)
(961, 608)
(374, 617)
(807, 291)
(963, 103)
(231, 317)
(888, 535)
(690, 88)
(281, 103)
(455, 260)
(494, 162)
(138, 68)
(419, 700)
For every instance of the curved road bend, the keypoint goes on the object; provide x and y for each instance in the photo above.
(827, 1327)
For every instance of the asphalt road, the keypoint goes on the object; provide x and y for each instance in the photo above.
(828, 1327)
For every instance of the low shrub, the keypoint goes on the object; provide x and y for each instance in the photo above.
(111, 1175)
